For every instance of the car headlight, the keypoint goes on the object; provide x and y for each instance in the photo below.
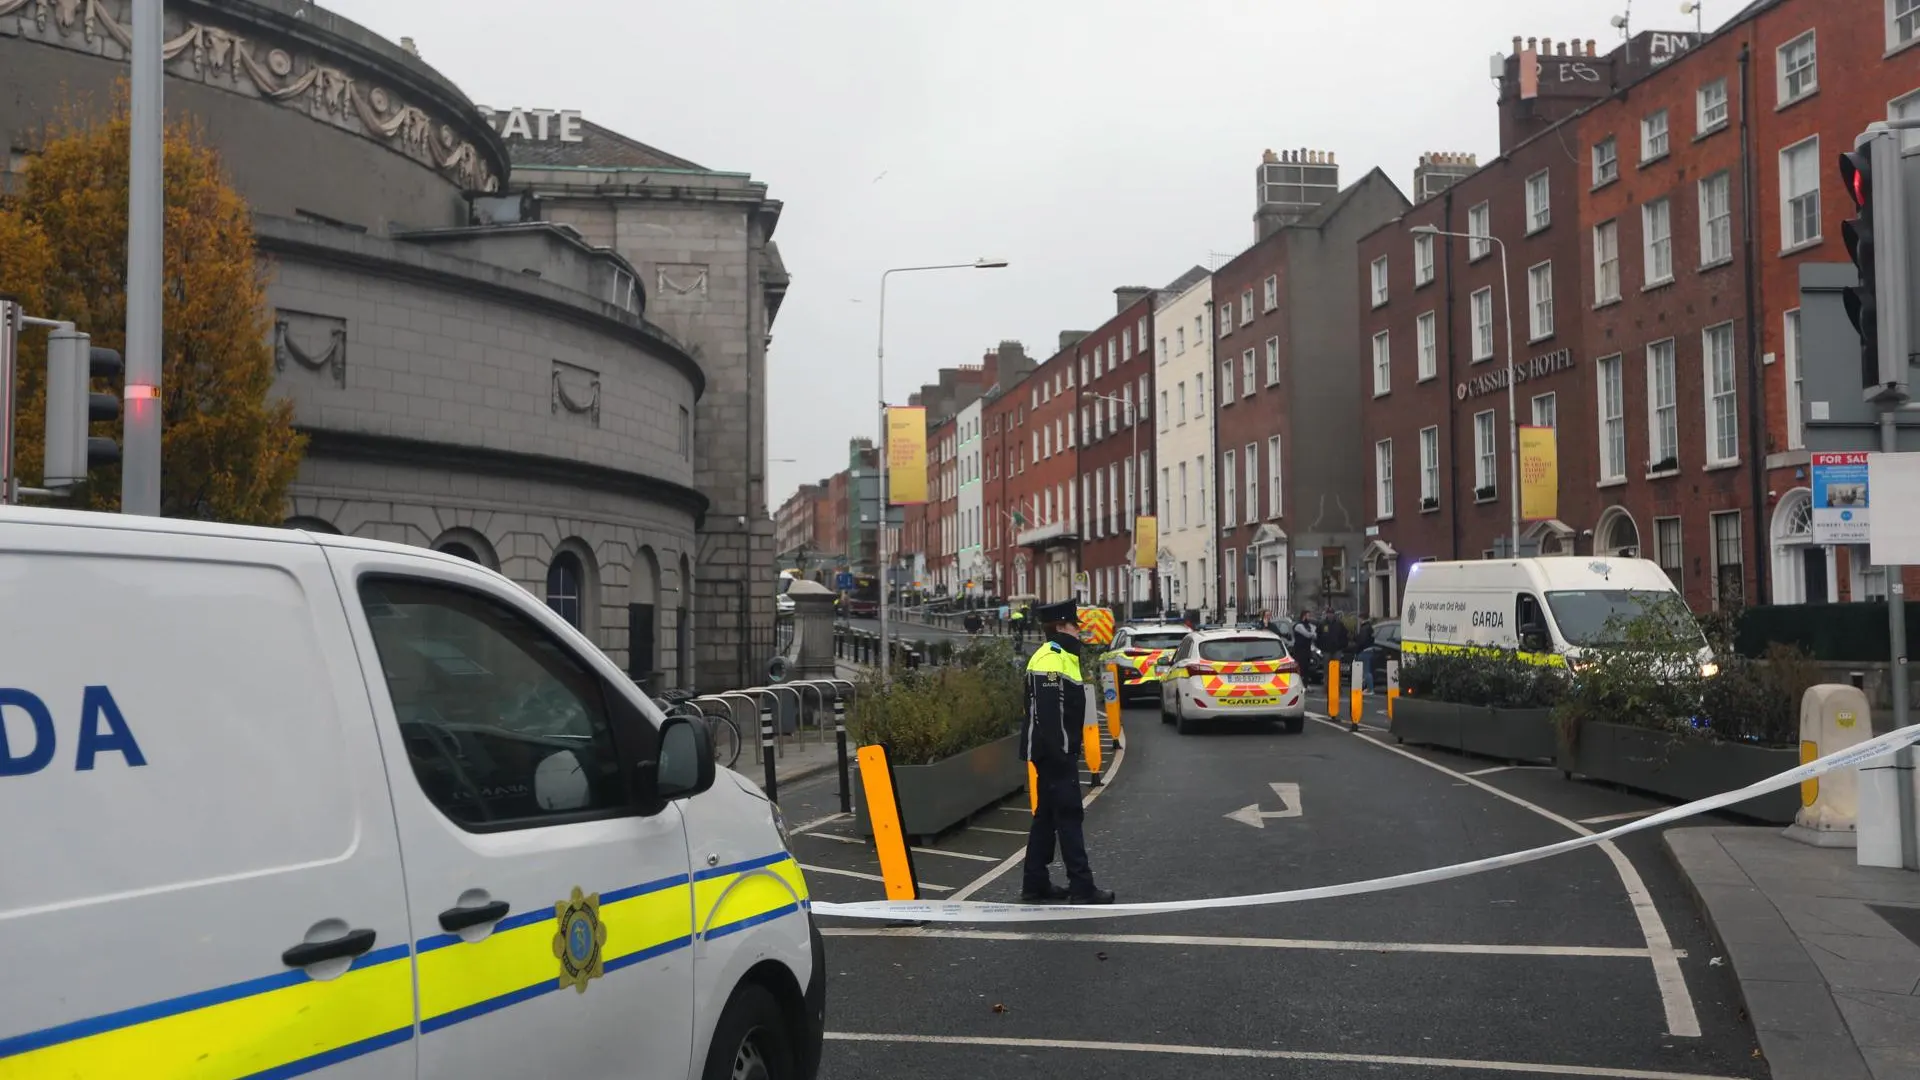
(1709, 669)
(780, 826)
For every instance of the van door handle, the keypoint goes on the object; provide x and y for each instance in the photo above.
(455, 919)
(351, 943)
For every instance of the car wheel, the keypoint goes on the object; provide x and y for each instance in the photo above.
(1180, 722)
(751, 1042)
(1295, 724)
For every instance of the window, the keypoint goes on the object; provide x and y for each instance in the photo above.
(1539, 202)
(1251, 460)
(1273, 476)
(1083, 370)
(1716, 220)
(1663, 409)
(1429, 468)
(1422, 259)
(1383, 478)
(1656, 227)
(1606, 161)
(1229, 506)
(1540, 301)
(1903, 22)
(1113, 356)
(1653, 137)
(1180, 398)
(1546, 410)
(1485, 474)
(1479, 226)
(1179, 341)
(1229, 560)
(1729, 585)
(1246, 307)
(1800, 193)
(1798, 74)
(1166, 496)
(1272, 296)
(1606, 262)
(1613, 420)
(1126, 344)
(455, 660)
(564, 586)
(1666, 547)
(1723, 422)
(1907, 107)
(1796, 386)
(1199, 330)
(1249, 374)
(1711, 102)
(1226, 318)
(1382, 365)
(1273, 360)
(686, 432)
(1379, 281)
(1183, 494)
(1163, 410)
(1140, 334)
(1482, 301)
(1163, 350)
(1428, 348)
(1203, 508)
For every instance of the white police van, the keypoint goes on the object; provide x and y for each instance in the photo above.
(274, 804)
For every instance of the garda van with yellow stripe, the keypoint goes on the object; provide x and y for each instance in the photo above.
(1553, 609)
(280, 804)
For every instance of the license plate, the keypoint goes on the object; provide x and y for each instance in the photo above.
(1256, 678)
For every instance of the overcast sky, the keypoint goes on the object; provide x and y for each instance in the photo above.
(1092, 143)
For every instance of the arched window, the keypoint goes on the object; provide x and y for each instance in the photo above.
(460, 551)
(564, 579)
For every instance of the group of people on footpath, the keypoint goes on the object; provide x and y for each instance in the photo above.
(1335, 639)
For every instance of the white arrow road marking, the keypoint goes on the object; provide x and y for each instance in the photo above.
(1251, 814)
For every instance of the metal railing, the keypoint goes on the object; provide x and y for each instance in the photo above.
(777, 716)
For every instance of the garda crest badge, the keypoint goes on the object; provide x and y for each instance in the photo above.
(579, 940)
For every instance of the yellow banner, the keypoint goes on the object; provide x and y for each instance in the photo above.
(1539, 474)
(1146, 542)
(906, 456)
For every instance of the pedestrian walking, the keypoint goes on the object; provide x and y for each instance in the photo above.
(1334, 640)
(1051, 740)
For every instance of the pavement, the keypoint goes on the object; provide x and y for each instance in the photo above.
(1826, 953)
(1593, 963)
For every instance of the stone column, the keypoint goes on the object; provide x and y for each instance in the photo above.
(812, 630)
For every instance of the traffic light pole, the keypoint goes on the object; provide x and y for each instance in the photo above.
(1897, 638)
(140, 475)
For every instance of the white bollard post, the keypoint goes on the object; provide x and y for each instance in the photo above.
(1833, 717)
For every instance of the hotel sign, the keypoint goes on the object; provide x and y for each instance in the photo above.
(534, 125)
(1496, 379)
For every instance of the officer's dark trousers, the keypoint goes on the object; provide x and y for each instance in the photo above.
(1059, 815)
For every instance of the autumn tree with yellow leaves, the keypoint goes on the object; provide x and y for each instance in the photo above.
(229, 451)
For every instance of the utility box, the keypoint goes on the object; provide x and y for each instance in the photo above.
(1833, 717)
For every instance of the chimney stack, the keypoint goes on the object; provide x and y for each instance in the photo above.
(1516, 43)
(1590, 51)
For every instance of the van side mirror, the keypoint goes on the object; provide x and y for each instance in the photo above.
(684, 768)
(1534, 637)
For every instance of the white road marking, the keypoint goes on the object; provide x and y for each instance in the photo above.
(1002, 832)
(1536, 1068)
(954, 854)
(819, 821)
(834, 836)
(1628, 816)
(1682, 1019)
(866, 877)
(1290, 807)
(1505, 768)
(1015, 859)
(1207, 941)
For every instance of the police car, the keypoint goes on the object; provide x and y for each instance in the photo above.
(1234, 675)
(1142, 651)
(279, 804)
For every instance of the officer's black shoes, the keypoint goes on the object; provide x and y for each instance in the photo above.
(1097, 896)
(1047, 895)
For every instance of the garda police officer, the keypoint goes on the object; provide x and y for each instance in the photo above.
(1051, 740)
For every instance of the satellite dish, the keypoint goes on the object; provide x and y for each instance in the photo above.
(1618, 22)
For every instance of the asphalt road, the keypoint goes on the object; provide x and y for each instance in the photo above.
(1538, 970)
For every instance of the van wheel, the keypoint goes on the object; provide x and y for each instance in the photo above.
(751, 1042)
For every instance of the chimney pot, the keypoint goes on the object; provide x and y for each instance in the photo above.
(1531, 42)
(1330, 157)
(1546, 46)
(1590, 51)
(1563, 49)
(1516, 43)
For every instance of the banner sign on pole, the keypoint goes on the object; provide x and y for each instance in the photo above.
(1146, 542)
(906, 455)
(1840, 499)
(1539, 474)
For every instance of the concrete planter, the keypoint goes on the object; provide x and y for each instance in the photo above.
(1426, 723)
(936, 797)
(1509, 734)
(1681, 767)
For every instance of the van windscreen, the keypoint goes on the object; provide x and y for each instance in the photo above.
(1624, 616)
(1241, 650)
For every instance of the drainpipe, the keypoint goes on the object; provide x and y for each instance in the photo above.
(1756, 409)
(1453, 411)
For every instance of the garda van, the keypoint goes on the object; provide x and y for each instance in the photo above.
(277, 803)
(1554, 609)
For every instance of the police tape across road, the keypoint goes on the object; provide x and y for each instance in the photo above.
(976, 911)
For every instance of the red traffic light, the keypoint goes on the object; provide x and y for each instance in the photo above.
(1856, 173)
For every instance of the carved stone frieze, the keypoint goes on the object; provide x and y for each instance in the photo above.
(221, 57)
(291, 328)
(576, 391)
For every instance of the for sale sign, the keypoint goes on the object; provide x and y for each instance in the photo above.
(1840, 499)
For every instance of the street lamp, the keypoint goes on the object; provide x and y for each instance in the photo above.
(1513, 413)
(880, 358)
(1133, 468)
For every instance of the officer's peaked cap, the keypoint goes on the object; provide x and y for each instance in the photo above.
(1064, 612)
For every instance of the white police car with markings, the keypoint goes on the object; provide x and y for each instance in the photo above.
(280, 804)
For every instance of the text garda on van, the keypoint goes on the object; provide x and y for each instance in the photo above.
(103, 729)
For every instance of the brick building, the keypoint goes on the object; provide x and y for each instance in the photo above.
(1286, 389)
(796, 526)
(1044, 481)
(1112, 429)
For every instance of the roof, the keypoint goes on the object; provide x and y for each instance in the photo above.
(598, 147)
(1234, 631)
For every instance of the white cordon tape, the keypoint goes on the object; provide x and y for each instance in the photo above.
(975, 911)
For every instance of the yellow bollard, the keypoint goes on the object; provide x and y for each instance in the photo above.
(1333, 689)
(883, 814)
(1809, 788)
(1393, 695)
(1033, 789)
(1113, 704)
(1090, 740)
(1358, 699)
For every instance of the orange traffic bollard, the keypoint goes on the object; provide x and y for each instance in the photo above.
(1090, 738)
(1359, 700)
(1333, 689)
(1393, 695)
(1113, 704)
(1033, 789)
(883, 813)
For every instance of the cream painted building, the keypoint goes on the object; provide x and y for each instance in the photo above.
(1183, 445)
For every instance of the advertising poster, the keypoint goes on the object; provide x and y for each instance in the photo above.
(1146, 542)
(1539, 474)
(906, 455)
(1840, 498)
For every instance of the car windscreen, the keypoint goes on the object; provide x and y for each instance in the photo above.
(1387, 633)
(1157, 641)
(1622, 616)
(1241, 650)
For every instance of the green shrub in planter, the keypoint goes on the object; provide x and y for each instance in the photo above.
(930, 713)
(1493, 678)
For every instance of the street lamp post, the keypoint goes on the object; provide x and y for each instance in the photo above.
(1513, 412)
(880, 358)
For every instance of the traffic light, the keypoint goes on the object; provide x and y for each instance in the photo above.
(1876, 240)
(73, 406)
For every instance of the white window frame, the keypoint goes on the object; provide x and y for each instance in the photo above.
(1226, 382)
(1606, 167)
(1907, 107)
(1422, 259)
(1656, 245)
(1606, 253)
(1180, 392)
(1738, 546)
(1789, 212)
(1382, 364)
(1246, 306)
(1705, 102)
(1540, 301)
(1271, 292)
(1250, 462)
(1716, 228)
(1656, 136)
(1479, 231)
(1229, 487)
(1539, 202)
(1183, 495)
(1898, 11)
(1486, 457)
(1163, 411)
(1796, 385)
(1275, 478)
(1612, 417)
(1663, 406)
(1430, 468)
(1784, 75)
(1481, 302)
(1179, 341)
(1383, 480)
(1722, 400)
(1273, 360)
(1378, 269)
(1249, 374)
(1549, 416)
(1226, 318)
(1427, 346)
